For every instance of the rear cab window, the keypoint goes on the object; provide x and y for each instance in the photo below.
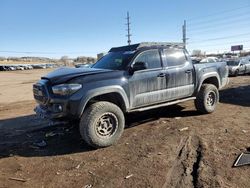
(174, 57)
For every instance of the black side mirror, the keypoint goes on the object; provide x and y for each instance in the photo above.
(139, 66)
(241, 65)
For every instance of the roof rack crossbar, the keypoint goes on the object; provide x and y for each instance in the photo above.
(147, 44)
(167, 44)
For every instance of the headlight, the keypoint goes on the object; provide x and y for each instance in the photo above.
(66, 89)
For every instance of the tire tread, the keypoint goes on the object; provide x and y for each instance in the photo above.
(89, 117)
(199, 101)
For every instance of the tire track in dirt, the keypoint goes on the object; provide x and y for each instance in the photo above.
(185, 169)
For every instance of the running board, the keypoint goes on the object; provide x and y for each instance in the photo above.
(162, 105)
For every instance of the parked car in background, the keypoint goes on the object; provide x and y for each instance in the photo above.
(27, 67)
(209, 60)
(39, 66)
(238, 66)
(3, 68)
(19, 68)
(50, 65)
(11, 68)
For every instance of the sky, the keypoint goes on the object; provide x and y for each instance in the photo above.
(54, 28)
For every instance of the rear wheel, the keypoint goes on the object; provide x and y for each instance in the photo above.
(102, 124)
(207, 98)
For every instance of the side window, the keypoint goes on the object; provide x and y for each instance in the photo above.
(175, 57)
(151, 58)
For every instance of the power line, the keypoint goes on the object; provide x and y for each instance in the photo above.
(219, 13)
(204, 25)
(218, 28)
(219, 22)
(216, 19)
(226, 24)
(221, 38)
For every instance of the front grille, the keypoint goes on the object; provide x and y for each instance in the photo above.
(39, 93)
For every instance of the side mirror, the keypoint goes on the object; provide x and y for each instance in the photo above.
(241, 65)
(139, 66)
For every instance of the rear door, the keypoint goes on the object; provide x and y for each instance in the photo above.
(180, 74)
(146, 86)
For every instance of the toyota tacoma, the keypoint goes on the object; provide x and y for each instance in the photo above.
(128, 79)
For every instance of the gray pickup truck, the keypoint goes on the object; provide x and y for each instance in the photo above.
(128, 79)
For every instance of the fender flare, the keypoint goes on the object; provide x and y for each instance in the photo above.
(206, 76)
(101, 91)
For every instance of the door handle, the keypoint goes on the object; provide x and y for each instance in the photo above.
(161, 75)
(188, 71)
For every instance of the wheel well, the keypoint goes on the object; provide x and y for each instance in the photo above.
(114, 98)
(211, 80)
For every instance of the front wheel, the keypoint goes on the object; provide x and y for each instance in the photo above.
(102, 124)
(236, 73)
(207, 99)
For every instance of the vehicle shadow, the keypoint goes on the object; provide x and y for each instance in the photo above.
(29, 136)
(236, 96)
(135, 119)
(24, 136)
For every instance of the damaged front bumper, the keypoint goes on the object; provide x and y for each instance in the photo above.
(54, 107)
(48, 107)
(46, 113)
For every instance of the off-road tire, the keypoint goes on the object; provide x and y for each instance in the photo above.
(207, 98)
(93, 119)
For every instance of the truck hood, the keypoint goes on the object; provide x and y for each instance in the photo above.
(62, 75)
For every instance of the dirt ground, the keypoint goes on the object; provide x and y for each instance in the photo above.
(152, 152)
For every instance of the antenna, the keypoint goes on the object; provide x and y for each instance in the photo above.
(128, 29)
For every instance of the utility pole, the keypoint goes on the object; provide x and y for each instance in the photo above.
(128, 29)
(184, 34)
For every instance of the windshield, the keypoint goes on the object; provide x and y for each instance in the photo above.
(232, 63)
(114, 60)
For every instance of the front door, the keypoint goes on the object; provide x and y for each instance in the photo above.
(146, 86)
